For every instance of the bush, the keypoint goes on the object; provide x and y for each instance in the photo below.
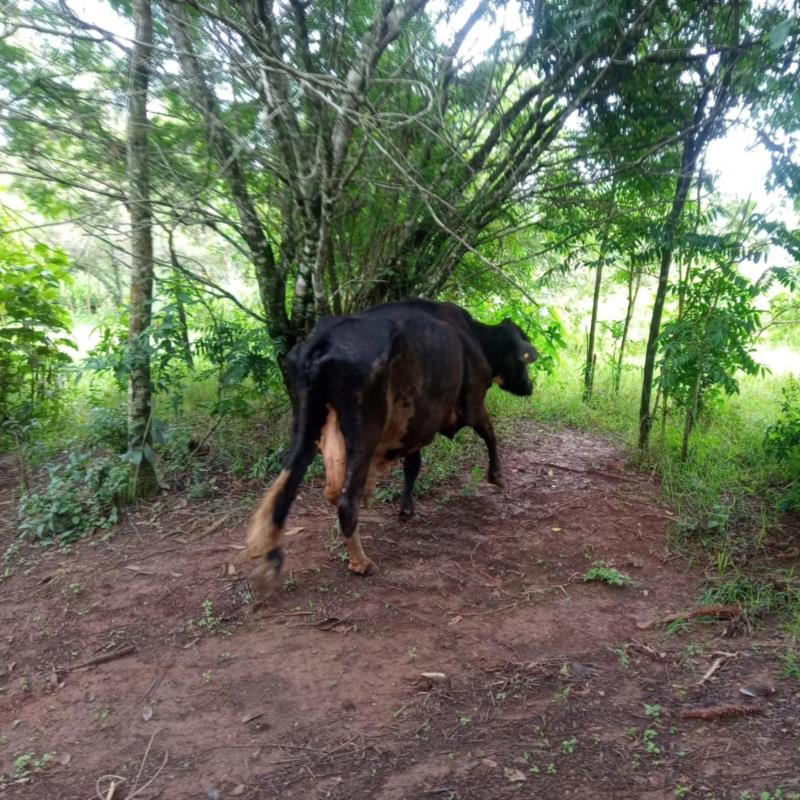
(783, 440)
(108, 427)
(80, 495)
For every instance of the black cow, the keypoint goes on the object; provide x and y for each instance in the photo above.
(377, 386)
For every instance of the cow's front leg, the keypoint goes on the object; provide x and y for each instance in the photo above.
(411, 467)
(484, 428)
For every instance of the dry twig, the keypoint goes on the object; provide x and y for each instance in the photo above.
(720, 712)
(711, 670)
(103, 658)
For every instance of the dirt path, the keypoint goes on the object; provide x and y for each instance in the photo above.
(550, 686)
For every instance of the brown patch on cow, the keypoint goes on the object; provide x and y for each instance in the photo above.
(498, 379)
(264, 535)
(360, 563)
(398, 415)
(334, 455)
(399, 412)
(379, 467)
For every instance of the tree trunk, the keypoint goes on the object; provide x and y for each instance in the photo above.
(270, 280)
(144, 481)
(691, 415)
(184, 325)
(705, 124)
(633, 293)
(588, 373)
(692, 144)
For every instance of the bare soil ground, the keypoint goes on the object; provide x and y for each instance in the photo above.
(551, 687)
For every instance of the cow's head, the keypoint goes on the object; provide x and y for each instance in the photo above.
(515, 353)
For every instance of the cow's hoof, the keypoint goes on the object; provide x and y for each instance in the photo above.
(263, 580)
(497, 480)
(366, 567)
(406, 514)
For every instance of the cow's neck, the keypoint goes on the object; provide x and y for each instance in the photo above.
(489, 341)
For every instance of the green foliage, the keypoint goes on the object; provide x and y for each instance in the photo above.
(238, 350)
(163, 344)
(783, 439)
(600, 573)
(712, 342)
(82, 494)
(210, 620)
(32, 324)
(777, 593)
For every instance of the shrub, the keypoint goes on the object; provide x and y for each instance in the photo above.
(82, 494)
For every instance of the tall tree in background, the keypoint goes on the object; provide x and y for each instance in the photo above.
(144, 481)
(715, 94)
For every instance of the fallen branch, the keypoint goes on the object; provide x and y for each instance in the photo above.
(711, 670)
(215, 526)
(719, 712)
(120, 652)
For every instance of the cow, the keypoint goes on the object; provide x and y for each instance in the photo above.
(377, 386)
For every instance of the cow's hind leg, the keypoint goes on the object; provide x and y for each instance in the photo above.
(411, 467)
(484, 428)
(265, 535)
(361, 444)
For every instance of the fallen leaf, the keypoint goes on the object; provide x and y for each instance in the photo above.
(556, 530)
(490, 762)
(250, 717)
(757, 691)
(456, 619)
(147, 713)
(434, 676)
(515, 775)
(64, 759)
(231, 569)
(237, 790)
(294, 531)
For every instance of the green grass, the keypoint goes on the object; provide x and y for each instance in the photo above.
(759, 593)
(730, 479)
(600, 573)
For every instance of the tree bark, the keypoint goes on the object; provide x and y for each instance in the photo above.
(143, 478)
(691, 416)
(588, 373)
(271, 281)
(633, 293)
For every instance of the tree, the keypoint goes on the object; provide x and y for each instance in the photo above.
(144, 481)
(736, 60)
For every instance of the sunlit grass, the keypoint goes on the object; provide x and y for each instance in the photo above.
(730, 479)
